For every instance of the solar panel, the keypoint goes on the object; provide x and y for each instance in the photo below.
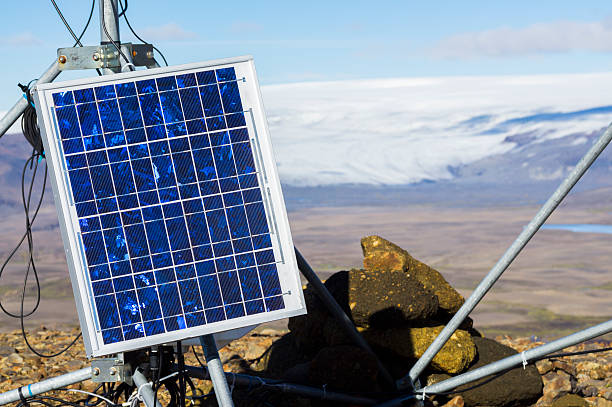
(169, 202)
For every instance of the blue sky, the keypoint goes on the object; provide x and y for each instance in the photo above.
(332, 40)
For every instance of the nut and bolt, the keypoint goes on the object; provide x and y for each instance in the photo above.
(62, 59)
(96, 57)
(112, 371)
(96, 371)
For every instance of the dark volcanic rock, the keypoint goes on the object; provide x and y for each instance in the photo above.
(381, 299)
(346, 368)
(370, 298)
(518, 387)
(280, 357)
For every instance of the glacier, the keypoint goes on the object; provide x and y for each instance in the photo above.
(409, 130)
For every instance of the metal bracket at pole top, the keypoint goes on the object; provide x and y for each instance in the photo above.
(104, 56)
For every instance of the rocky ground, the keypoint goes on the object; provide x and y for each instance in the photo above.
(584, 380)
(399, 304)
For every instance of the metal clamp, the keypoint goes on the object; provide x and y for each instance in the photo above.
(111, 370)
(104, 56)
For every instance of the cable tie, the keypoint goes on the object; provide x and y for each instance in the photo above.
(524, 359)
(128, 65)
(424, 396)
(21, 397)
(138, 395)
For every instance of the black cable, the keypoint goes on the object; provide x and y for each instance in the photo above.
(31, 262)
(61, 15)
(197, 357)
(28, 229)
(181, 373)
(123, 9)
(127, 21)
(582, 352)
(77, 39)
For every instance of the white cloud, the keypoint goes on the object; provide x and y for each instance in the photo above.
(24, 39)
(541, 38)
(168, 32)
(245, 27)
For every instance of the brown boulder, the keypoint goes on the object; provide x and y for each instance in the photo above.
(570, 400)
(411, 342)
(381, 254)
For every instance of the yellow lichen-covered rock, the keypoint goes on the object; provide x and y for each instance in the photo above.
(411, 342)
(381, 254)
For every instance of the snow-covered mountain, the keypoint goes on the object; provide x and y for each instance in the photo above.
(404, 131)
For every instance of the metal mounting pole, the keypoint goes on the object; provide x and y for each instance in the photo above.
(109, 28)
(507, 258)
(215, 370)
(46, 385)
(17, 110)
(337, 312)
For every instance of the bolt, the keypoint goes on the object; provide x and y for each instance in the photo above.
(150, 54)
(62, 59)
(96, 371)
(96, 56)
(112, 371)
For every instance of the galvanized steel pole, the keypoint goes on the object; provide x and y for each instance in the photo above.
(215, 370)
(507, 258)
(46, 385)
(109, 28)
(509, 362)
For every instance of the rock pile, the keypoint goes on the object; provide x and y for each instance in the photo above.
(400, 305)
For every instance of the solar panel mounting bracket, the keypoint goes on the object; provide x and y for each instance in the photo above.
(104, 56)
(111, 370)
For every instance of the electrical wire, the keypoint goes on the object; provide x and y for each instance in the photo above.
(25, 235)
(77, 39)
(127, 21)
(117, 47)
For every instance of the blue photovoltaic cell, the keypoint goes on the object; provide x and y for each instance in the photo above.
(173, 227)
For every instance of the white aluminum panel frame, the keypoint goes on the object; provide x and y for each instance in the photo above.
(278, 223)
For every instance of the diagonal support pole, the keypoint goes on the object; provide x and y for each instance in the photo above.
(46, 385)
(17, 110)
(508, 257)
(215, 370)
(337, 312)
